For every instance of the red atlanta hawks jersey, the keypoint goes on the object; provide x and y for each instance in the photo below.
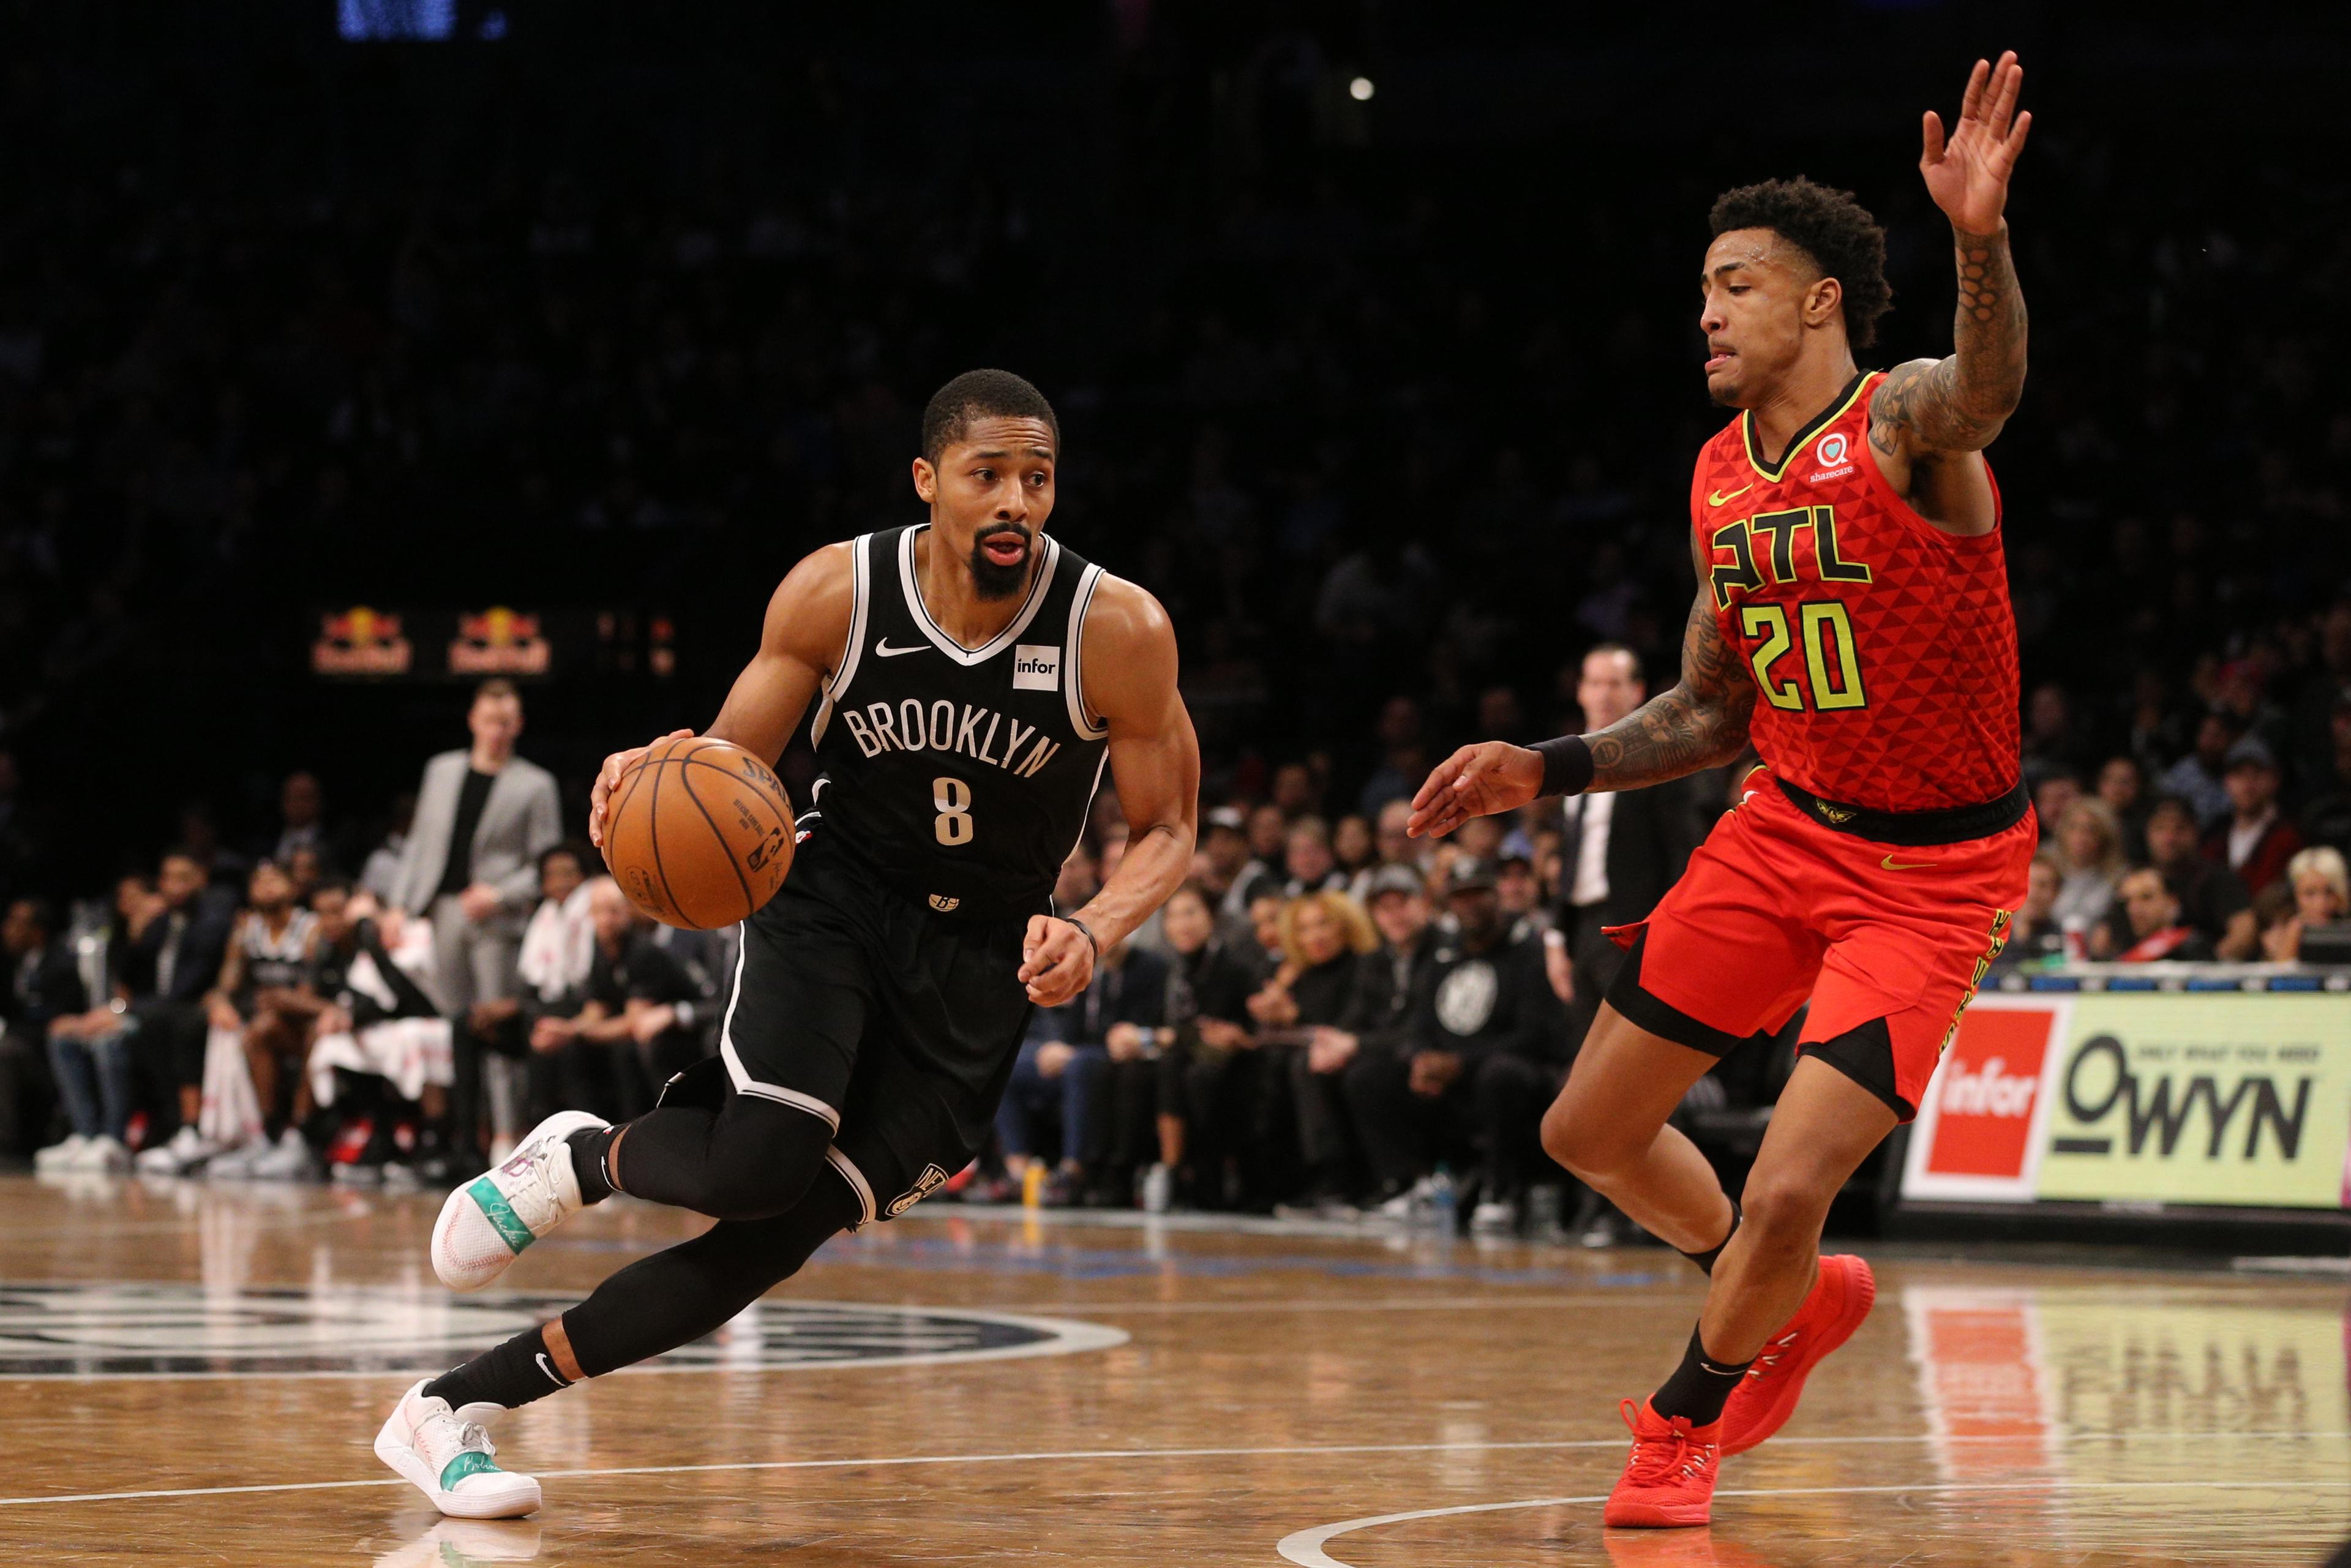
(1883, 649)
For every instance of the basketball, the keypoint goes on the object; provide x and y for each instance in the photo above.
(699, 834)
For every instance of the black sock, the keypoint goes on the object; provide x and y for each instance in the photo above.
(510, 1375)
(589, 1147)
(1705, 1261)
(1698, 1387)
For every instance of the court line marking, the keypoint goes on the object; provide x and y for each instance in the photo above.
(1067, 1336)
(1304, 1450)
(1304, 1547)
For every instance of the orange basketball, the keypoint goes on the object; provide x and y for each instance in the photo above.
(698, 833)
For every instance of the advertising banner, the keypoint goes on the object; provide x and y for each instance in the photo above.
(2225, 1098)
(2234, 1099)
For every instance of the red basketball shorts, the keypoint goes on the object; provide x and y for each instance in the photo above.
(1887, 940)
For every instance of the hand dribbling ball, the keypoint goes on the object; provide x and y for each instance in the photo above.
(699, 834)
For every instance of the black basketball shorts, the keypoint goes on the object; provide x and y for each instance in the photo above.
(896, 1025)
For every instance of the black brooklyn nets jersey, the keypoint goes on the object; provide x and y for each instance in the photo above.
(961, 775)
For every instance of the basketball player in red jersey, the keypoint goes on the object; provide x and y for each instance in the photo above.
(1853, 622)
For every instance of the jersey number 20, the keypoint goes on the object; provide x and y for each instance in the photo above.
(953, 798)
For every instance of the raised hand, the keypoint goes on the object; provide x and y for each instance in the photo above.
(1475, 781)
(1968, 172)
(599, 797)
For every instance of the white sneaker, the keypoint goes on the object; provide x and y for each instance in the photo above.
(1494, 1218)
(62, 1156)
(1410, 1204)
(236, 1164)
(287, 1159)
(188, 1150)
(446, 1455)
(103, 1154)
(486, 1223)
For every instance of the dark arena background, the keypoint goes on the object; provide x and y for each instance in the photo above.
(354, 353)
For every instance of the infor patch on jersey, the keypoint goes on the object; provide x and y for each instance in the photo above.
(1036, 668)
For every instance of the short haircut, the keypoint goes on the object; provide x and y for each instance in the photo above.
(2167, 804)
(325, 885)
(581, 855)
(1829, 225)
(498, 686)
(1639, 673)
(976, 395)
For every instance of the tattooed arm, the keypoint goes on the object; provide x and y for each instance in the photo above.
(1700, 723)
(1930, 409)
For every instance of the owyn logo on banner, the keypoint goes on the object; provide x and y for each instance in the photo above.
(970, 731)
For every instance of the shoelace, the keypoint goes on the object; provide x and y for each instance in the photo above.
(1771, 1353)
(1662, 1458)
(472, 1437)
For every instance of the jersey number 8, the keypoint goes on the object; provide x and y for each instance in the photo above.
(953, 798)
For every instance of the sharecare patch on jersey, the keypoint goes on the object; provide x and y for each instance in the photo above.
(1036, 668)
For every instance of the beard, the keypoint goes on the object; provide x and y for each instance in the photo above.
(996, 582)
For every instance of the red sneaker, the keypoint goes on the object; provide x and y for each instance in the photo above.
(1767, 1396)
(1670, 1477)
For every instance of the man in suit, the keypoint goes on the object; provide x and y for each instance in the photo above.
(484, 817)
(1620, 851)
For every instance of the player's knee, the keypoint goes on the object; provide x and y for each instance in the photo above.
(1784, 1210)
(1582, 1144)
(763, 1162)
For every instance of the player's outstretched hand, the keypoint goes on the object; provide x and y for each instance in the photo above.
(1475, 781)
(1968, 173)
(1056, 961)
(600, 797)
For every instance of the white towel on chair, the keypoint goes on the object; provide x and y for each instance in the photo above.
(408, 1052)
(232, 1111)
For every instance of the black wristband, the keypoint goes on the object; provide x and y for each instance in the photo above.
(1091, 940)
(1567, 764)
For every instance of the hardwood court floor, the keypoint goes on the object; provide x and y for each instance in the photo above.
(194, 1376)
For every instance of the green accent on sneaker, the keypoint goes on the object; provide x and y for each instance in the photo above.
(469, 1463)
(500, 1213)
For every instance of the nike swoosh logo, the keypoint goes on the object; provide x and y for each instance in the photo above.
(548, 1367)
(1718, 498)
(1888, 863)
(887, 651)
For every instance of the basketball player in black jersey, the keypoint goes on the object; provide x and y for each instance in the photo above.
(973, 678)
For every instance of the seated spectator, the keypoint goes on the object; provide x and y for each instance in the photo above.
(1083, 1070)
(301, 815)
(383, 1038)
(1218, 1069)
(1304, 1006)
(261, 1006)
(1268, 832)
(2212, 899)
(2052, 798)
(2157, 930)
(1224, 852)
(308, 870)
(2322, 895)
(2257, 840)
(44, 984)
(1521, 895)
(1307, 862)
(2122, 785)
(634, 1027)
(90, 1052)
(558, 949)
(2034, 935)
(1480, 1062)
(2090, 850)
(2197, 776)
(177, 950)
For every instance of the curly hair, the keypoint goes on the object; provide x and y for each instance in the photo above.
(1832, 228)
